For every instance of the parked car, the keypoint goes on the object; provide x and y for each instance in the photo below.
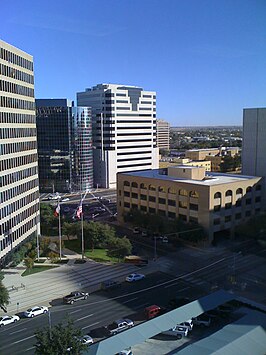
(188, 324)
(75, 296)
(152, 311)
(134, 277)
(86, 340)
(127, 351)
(5, 320)
(119, 325)
(144, 233)
(110, 285)
(35, 311)
(164, 239)
(65, 199)
(177, 331)
(202, 320)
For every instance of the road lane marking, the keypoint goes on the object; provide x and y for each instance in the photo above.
(78, 310)
(19, 341)
(18, 331)
(88, 326)
(90, 315)
(132, 299)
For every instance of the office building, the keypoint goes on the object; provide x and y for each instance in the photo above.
(124, 130)
(64, 146)
(163, 134)
(254, 144)
(217, 202)
(19, 187)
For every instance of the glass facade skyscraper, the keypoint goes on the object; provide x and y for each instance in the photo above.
(64, 146)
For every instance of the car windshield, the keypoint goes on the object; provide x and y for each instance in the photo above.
(29, 310)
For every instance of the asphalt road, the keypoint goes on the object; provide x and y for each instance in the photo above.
(99, 310)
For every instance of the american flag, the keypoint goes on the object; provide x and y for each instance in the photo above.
(79, 211)
(57, 210)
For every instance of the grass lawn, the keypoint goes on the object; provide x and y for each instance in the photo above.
(97, 254)
(37, 268)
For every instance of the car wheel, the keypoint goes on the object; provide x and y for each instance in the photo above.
(72, 302)
(32, 316)
(179, 336)
(15, 320)
(85, 297)
(45, 311)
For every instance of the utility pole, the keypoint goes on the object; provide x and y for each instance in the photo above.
(155, 248)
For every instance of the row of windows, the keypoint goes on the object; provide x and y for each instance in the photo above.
(237, 216)
(16, 103)
(136, 127)
(9, 133)
(130, 153)
(239, 191)
(136, 158)
(17, 147)
(17, 176)
(181, 192)
(17, 205)
(13, 236)
(8, 117)
(7, 86)
(136, 146)
(18, 161)
(134, 140)
(229, 205)
(16, 74)
(163, 213)
(17, 190)
(15, 59)
(14, 220)
(136, 115)
(136, 121)
(135, 134)
(134, 166)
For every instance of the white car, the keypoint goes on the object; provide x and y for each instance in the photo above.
(5, 320)
(134, 277)
(188, 324)
(177, 331)
(35, 311)
(127, 351)
(65, 199)
(86, 340)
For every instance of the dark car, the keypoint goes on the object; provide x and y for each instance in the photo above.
(75, 296)
(110, 285)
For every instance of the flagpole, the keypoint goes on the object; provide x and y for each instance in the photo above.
(82, 231)
(59, 232)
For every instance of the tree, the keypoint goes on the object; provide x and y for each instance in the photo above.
(69, 229)
(119, 247)
(29, 262)
(56, 340)
(4, 295)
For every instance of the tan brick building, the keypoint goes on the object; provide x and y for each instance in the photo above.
(218, 202)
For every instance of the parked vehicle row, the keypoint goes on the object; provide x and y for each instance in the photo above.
(30, 313)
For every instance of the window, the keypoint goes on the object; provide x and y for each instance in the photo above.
(152, 199)
(126, 205)
(182, 217)
(134, 184)
(171, 215)
(162, 200)
(183, 192)
(142, 186)
(134, 195)
(171, 203)
(249, 189)
(217, 195)
(257, 211)
(193, 207)
(161, 189)
(182, 204)
(258, 187)
(193, 219)
(126, 183)
(161, 213)
(248, 213)
(217, 208)
(248, 201)
(152, 188)
(216, 221)
(239, 191)
(143, 197)
(134, 206)
(152, 210)
(257, 199)
(238, 216)
(172, 190)
(143, 208)
(228, 206)
(227, 219)
(238, 203)
(228, 193)
(126, 193)
(194, 194)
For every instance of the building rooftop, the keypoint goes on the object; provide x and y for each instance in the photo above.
(210, 179)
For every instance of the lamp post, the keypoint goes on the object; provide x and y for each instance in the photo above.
(155, 248)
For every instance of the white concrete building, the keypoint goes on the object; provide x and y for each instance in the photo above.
(163, 134)
(124, 130)
(19, 187)
(254, 145)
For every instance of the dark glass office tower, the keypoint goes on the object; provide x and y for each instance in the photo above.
(64, 146)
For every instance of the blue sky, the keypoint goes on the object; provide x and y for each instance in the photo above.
(204, 58)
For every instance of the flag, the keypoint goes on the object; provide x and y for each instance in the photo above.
(79, 210)
(57, 210)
